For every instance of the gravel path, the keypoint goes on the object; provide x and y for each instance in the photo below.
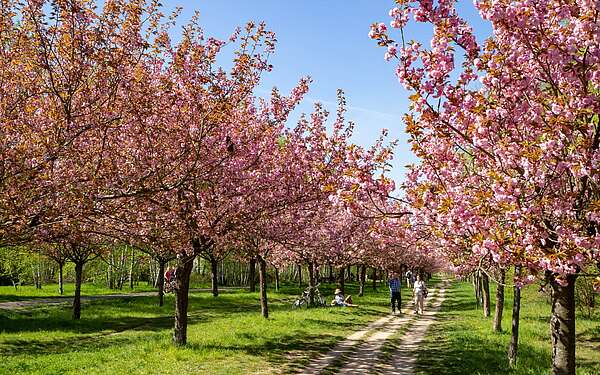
(361, 352)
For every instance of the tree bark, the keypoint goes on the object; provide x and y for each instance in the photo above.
(342, 280)
(252, 275)
(311, 284)
(363, 275)
(499, 302)
(485, 281)
(182, 287)
(61, 289)
(77, 298)
(300, 274)
(214, 269)
(562, 327)
(514, 338)
(331, 277)
(262, 275)
(477, 286)
(110, 271)
(374, 278)
(131, 268)
(276, 279)
(160, 283)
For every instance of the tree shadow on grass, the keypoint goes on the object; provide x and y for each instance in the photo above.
(111, 336)
(289, 352)
(119, 314)
(474, 356)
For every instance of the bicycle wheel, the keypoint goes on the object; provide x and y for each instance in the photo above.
(296, 304)
(321, 301)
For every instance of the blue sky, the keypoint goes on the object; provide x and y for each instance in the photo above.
(327, 40)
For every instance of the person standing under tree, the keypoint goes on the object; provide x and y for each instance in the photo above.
(409, 279)
(420, 292)
(395, 296)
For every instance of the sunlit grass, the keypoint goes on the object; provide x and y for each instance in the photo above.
(226, 335)
(462, 341)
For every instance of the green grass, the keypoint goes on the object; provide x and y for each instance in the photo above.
(462, 341)
(226, 335)
(25, 292)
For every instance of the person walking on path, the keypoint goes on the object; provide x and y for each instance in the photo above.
(395, 296)
(420, 292)
(409, 279)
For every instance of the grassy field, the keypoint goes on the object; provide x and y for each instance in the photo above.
(26, 292)
(462, 341)
(226, 335)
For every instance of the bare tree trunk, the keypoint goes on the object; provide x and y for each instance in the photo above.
(262, 275)
(182, 287)
(276, 279)
(77, 298)
(311, 284)
(374, 278)
(485, 281)
(131, 268)
(363, 275)
(160, 283)
(109, 270)
(562, 326)
(499, 301)
(342, 280)
(61, 289)
(300, 274)
(214, 268)
(331, 277)
(252, 275)
(514, 338)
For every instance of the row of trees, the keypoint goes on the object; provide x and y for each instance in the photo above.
(115, 136)
(125, 268)
(508, 134)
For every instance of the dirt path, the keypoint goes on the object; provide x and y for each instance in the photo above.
(361, 352)
(52, 301)
(403, 360)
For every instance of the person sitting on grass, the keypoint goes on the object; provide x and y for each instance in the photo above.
(339, 299)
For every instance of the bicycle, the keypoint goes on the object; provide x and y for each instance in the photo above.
(304, 299)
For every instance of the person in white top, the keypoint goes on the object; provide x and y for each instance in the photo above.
(419, 291)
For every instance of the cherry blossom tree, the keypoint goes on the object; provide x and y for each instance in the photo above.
(509, 139)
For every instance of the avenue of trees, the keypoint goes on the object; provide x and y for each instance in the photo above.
(119, 143)
(508, 133)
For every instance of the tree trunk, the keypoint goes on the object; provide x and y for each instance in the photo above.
(363, 275)
(252, 275)
(477, 285)
(182, 287)
(499, 302)
(485, 281)
(214, 269)
(276, 279)
(331, 277)
(299, 274)
(514, 338)
(262, 275)
(160, 283)
(311, 284)
(562, 327)
(61, 289)
(374, 278)
(342, 280)
(77, 299)
(109, 272)
(131, 268)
